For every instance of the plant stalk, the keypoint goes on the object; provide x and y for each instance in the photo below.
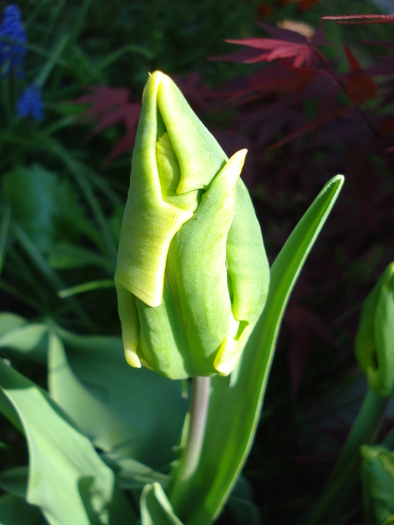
(198, 420)
(191, 454)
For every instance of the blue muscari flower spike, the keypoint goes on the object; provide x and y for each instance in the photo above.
(30, 103)
(12, 55)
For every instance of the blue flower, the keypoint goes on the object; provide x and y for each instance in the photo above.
(30, 103)
(12, 55)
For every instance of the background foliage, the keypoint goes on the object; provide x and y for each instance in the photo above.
(318, 109)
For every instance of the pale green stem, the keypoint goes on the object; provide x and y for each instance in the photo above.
(191, 454)
(344, 476)
(198, 420)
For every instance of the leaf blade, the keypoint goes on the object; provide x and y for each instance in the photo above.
(155, 507)
(67, 479)
(234, 411)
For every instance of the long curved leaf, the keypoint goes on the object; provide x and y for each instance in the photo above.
(67, 478)
(235, 409)
(155, 507)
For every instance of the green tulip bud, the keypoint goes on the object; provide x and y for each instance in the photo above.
(192, 274)
(377, 478)
(375, 337)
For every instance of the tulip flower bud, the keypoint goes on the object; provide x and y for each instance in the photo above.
(377, 478)
(192, 274)
(375, 337)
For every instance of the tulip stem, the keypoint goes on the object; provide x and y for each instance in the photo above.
(192, 452)
(198, 420)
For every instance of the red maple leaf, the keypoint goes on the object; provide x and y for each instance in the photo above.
(112, 106)
(109, 107)
(284, 44)
(360, 87)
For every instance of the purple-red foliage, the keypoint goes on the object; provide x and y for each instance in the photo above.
(112, 106)
(307, 122)
(109, 107)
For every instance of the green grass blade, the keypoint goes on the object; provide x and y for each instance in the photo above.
(52, 61)
(235, 410)
(86, 287)
(77, 170)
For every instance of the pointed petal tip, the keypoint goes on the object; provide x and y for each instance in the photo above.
(234, 166)
(227, 356)
(340, 178)
(157, 75)
(131, 357)
(241, 154)
(238, 159)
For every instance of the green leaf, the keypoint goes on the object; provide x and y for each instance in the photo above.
(14, 480)
(15, 511)
(65, 255)
(235, 409)
(155, 507)
(81, 174)
(86, 287)
(27, 191)
(52, 60)
(7, 409)
(128, 413)
(135, 413)
(132, 474)
(9, 322)
(46, 207)
(27, 339)
(67, 478)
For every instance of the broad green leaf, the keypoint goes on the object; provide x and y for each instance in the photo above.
(25, 339)
(81, 174)
(135, 413)
(67, 478)
(9, 322)
(155, 507)
(15, 511)
(128, 413)
(235, 409)
(46, 207)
